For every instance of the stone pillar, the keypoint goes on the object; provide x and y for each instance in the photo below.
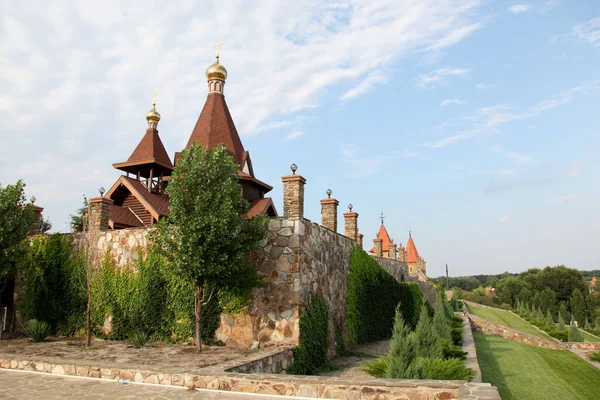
(377, 252)
(360, 240)
(36, 226)
(329, 213)
(100, 213)
(392, 251)
(293, 196)
(351, 225)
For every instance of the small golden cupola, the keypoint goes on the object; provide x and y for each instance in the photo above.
(153, 116)
(216, 74)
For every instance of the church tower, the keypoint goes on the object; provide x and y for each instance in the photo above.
(215, 126)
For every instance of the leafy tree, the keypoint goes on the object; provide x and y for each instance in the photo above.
(79, 218)
(508, 288)
(560, 279)
(45, 225)
(207, 238)
(537, 301)
(578, 307)
(15, 219)
(525, 295)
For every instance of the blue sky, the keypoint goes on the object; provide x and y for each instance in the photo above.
(473, 122)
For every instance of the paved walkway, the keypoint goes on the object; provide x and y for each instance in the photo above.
(33, 385)
(349, 366)
(586, 358)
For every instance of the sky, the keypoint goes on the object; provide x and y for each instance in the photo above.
(472, 123)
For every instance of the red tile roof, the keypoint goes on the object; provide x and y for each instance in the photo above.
(261, 206)
(412, 255)
(159, 203)
(151, 148)
(156, 204)
(215, 126)
(123, 216)
(385, 237)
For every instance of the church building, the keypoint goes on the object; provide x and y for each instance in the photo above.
(139, 197)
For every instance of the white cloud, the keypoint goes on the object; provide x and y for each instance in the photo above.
(365, 86)
(575, 169)
(448, 102)
(589, 31)
(505, 218)
(294, 135)
(549, 6)
(405, 153)
(438, 77)
(85, 70)
(360, 167)
(488, 119)
(519, 158)
(519, 8)
(564, 199)
(481, 86)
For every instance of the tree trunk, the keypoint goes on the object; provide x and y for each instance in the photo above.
(199, 299)
(88, 317)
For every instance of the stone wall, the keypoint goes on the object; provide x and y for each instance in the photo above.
(297, 258)
(273, 364)
(123, 245)
(397, 269)
(585, 346)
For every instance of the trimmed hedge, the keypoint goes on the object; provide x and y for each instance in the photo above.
(310, 355)
(373, 295)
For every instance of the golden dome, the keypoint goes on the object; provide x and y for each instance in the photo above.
(153, 115)
(216, 71)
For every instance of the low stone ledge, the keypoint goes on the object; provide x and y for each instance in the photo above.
(468, 346)
(289, 385)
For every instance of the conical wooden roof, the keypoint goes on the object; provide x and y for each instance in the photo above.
(215, 126)
(412, 255)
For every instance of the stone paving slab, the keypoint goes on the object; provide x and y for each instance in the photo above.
(26, 386)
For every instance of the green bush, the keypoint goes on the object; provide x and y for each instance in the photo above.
(55, 284)
(560, 326)
(595, 356)
(563, 336)
(310, 355)
(152, 299)
(452, 368)
(368, 285)
(138, 339)
(38, 331)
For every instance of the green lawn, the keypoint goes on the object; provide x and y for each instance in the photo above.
(589, 338)
(521, 371)
(507, 319)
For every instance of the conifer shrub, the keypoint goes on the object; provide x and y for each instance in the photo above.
(451, 368)
(560, 326)
(575, 334)
(424, 353)
(549, 319)
(595, 356)
(38, 331)
(310, 355)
